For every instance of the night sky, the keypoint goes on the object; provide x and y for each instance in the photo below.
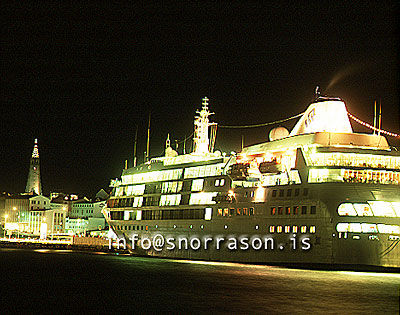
(81, 78)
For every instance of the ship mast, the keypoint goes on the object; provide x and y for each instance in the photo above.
(201, 124)
(135, 148)
(148, 140)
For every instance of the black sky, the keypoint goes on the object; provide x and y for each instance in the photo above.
(81, 78)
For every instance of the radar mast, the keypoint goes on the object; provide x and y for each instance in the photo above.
(201, 124)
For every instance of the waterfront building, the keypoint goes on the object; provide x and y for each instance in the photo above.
(87, 209)
(14, 211)
(82, 226)
(47, 222)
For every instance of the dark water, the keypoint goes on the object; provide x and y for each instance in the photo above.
(58, 282)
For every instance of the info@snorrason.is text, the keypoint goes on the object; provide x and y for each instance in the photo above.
(158, 242)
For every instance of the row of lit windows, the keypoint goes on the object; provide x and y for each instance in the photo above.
(154, 176)
(201, 198)
(203, 171)
(229, 212)
(291, 229)
(289, 192)
(366, 176)
(131, 227)
(173, 214)
(351, 159)
(293, 210)
(368, 228)
(272, 228)
(369, 209)
(176, 214)
(37, 202)
(219, 182)
(86, 211)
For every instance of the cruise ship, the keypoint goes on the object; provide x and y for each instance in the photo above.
(320, 194)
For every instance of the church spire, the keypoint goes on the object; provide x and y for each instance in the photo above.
(33, 183)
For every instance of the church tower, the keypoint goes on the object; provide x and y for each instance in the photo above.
(34, 184)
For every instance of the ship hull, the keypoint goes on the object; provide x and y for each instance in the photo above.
(295, 239)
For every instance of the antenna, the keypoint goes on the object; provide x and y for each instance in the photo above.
(134, 148)
(374, 116)
(184, 145)
(380, 117)
(148, 140)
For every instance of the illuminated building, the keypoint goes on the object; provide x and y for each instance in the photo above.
(34, 183)
(323, 183)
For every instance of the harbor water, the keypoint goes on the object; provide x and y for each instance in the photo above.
(63, 281)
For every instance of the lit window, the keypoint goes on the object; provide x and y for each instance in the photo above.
(222, 182)
(219, 212)
(295, 209)
(346, 209)
(349, 227)
(271, 229)
(226, 212)
(225, 227)
(389, 229)
(251, 211)
(382, 209)
(303, 229)
(312, 229)
(256, 227)
(363, 209)
(396, 208)
(273, 210)
(245, 211)
(216, 182)
(238, 211)
(369, 228)
(294, 229)
(208, 214)
(231, 212)
(287, 210)
(287, 229)
(279, 229)
(197, 184)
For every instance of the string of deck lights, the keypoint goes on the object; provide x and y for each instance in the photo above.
(365, 124)
(264, 124)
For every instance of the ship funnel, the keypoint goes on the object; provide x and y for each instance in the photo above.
(324, 115)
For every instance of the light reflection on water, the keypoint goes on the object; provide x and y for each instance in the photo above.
(95, 281)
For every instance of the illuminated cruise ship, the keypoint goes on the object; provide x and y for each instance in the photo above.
(320, 194)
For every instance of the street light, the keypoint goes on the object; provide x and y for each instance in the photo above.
(15, 209)
(5, 223)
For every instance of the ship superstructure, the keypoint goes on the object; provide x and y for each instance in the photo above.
(320, 194)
